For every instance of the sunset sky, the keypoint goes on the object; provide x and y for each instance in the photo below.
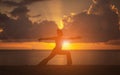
(22, 22)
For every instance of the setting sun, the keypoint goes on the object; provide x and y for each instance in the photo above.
(66, 44)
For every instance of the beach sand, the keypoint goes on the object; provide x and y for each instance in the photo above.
(61, 70)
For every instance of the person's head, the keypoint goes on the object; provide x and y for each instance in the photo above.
(59, 32)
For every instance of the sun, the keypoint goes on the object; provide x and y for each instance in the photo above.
(66, 44)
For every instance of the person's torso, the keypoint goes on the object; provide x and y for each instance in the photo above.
(58, 42)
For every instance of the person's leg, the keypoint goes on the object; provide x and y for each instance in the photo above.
(46, 60)
(69, 59)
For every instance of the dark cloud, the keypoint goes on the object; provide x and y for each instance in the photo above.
(15, 28)
(99, 23)
(19, 11)
(9, 3)
(23, 28)
(116, 3)
(27, 2)
(19, 2)
(44, 29)
(113, 42)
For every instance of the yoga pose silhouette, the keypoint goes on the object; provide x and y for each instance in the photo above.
(58, 48)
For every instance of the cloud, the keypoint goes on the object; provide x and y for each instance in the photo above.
(23, 28)
(113, 42)
(9, 3)
(18, 28)
(116, 3)
(19, 2)
(44, 29)
(99, 23)
(19, 11)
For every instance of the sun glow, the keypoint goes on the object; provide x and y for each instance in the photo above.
(56, 9)
(66, 45)
(60, 24)
(1, 30)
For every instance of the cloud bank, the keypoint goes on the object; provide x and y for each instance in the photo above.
(97, 24)
(19, 2)
(22, 27)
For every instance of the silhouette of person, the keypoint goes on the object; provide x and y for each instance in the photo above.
(58, 48)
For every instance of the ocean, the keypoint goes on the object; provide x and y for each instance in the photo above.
(79, 57)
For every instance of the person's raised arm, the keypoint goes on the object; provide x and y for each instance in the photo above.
(72, 38)
(48, 38)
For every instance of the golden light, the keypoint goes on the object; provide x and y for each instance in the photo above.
(60, 25)
(1, 30)
(66, 45)
(55, 9)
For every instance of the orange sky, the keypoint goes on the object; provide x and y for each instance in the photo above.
(50, 46)
(61, 8)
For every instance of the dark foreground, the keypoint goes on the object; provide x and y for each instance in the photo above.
(60, 70)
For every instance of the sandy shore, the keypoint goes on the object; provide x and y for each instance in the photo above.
(60, 70)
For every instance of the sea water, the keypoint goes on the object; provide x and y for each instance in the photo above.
(79, 57)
